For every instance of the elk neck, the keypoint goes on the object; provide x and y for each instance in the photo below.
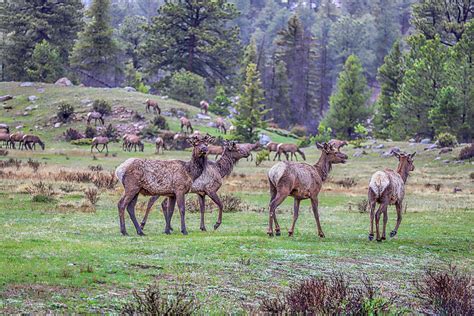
(403, 171)
(225, 164)
(323, 166)
(196, 165)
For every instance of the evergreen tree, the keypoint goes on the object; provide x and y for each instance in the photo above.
(250, 107)
(28, 23)
(387, 27)
(390, 77)
(280, 104)
(132, 35)
(45, 64)
(445, 116)
(96, 54)
(348, 105)
(194, 35)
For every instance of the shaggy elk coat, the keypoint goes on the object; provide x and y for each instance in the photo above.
(249, 148)
(160, 144)
(338, 144)
(16, 137)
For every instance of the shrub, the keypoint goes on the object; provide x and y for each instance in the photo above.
(357, 143)
(304, 142)
(160, 122)
(137, 116)
(102, 107)
(90, 132)
(187, 87)
(299, 130)
(362, 205)
(154, 302)
(110, 132)
(33, 164)
(106, 180)
(65, 112)
(82, 142)
(346, 182)
(92, 196)
(72, 134)
(221, 103)
(3, 152)
(446, 140)
(95, 168)
(262, 155)
(40, 198)
(324, 134)
(467, 152)
(150, 131)
(446, 292)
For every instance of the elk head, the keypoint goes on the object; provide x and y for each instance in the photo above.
(236, 151)
(334, 156)
(200, 144)
(405, 161)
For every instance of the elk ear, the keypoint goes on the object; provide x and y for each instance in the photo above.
(413, 155)
(319, 146)
(396, 154)
(209, 139)
(192, 140)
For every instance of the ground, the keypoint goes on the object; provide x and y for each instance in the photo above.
(62, 257)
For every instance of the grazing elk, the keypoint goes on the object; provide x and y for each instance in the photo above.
(185, 122)
(271, 146)
(125, 141)
(5, 139)
(204, 106)
(288, 148)
(160, 144)
(388, 188)
(301, 181)
(208, 183)
(249, 148)
(152, 106)
(96, 116)
(29, 141)
(16, 137)
(171, 178)
(220, 125)
(134, 141)
(337, 144)
(215, 150)
(100, 140)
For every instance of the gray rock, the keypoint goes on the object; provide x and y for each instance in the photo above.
(63, 82)
(32, 98)
(26, 113)
(389, 140)
(394, 150)
(264, 139)
(56, 125)
(203, 117)
(86, 101)
(386, 154)
(180, 113)
(27, 84)
(431, 147)
(358, 153)
(412, 144)
(379, 146)
(29, 108)
(4, 98)
(446, 161)
(40, 90)
(411, 140)
(130, 89)
(19, 127)
(425, 141)
(211, 124)
(167, 113)
(438, 158)
(164, 97)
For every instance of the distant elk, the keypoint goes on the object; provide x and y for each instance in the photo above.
(96, 116)
(272, 147)
(288, 148)
(29, 141)
(170, 178)
(301, 181)
(388, 188)
(100, 140)
(204, 106)
(152, 106)
(4, 129)
(337, 144)
(5, 139)
(220, 125)
(215, 150)
(160, 144)
(16, 137)
(185, 122)
(134, 141)
(249, 148)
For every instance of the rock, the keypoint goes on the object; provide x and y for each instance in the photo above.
(412, 140)
(389, 140)
(437, 158)
(379, 146)
(86, 101)
(457, 189)
(19, 127)
(167, 113)
(29, 108)
(27, 84)
(211, 124)
(394, 150)
(373, 141)
(203, 117)
(358, 153)
(40, 90)
(446, 161)
(63, 82)
(431, 147)
(7, 107)
(164, 97)
(386, 154)
(180, 113)
(264, 139)
(26, 113)
(425, 141)
(130, 89)
(4, 98)
(445, 150)
(57, 125)
(412, 144)
(82, 85)
(32, 98)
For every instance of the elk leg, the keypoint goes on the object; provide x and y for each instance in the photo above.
(148, 209)
(385, 219)
(107, 148)
(169, 215)
(314, 205)
(377, 221)
(274, 203)
(165, 208)
(296, 209)
(202, 206)
(398, 206)
(251, 157)
(215, 198)
(372, 213)
(296, 157)
(182, 212)
(131, 212)
(122, 204)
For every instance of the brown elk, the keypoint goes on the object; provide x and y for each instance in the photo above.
(134, 141)
(152, 106)
(16, 137)
(388, 188)
(125, 141)
(96, 116)
(100, 140)
(204, 106)
(301, 181)
(4, 128)
(29, 142)
(208, 183)
(220, 125)
(338, 144)
(185, 122)
(249, 148)
(215, 150)
(160, 144)
(271, 146)
(288, 148)
(171, 178)
(5, 138)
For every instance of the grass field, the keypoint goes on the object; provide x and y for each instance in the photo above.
(61, 257)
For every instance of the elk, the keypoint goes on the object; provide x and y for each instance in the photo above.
(387, 187)
(152, 106)
(208, 183)
(204, 106)
(134, 141)
(125, 141)
(338, 144)
(171, 178)
(215, 150)
(4, 128)
(249, 147)
(288, 148)
(29, 142)
(301, 181)
(271, 146)
(220, 125)
(160, 144)
(5, 138)
(100, 140)
(185, 122)
(16, 137)
(96, 116)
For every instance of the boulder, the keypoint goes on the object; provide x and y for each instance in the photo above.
(86, 101)
(445, 150)
(57, 125)
(32, 98)
(359, 153)
(211, 124)
(29, 108)
(4, 98)
(203, 117)
(63, 82)
(425, 141)
(379, 146)
(180, 113)
(27, 84)
(431, 147)
(40, 90)
(412, 140)
(264, 139)
(130, 89)
(438, 158)
(446, 161)
(19, 127)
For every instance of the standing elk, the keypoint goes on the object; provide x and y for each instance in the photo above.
(16, 137)
(204, 106)
(220, 125)
(301, 181)
(208, 183)
(152, 106)
(288, 148)
(100, 140)
(4, 128)
(29, 141)
(160, 144)
(96, 116)
(388, 188)
(337, 144)
(249, 148)
(215, 150)
(272, 146)
(185, 122)
(171, 178)
(134, 141)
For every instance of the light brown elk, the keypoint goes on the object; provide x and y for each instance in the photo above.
(100, 140)
(5, 139)
(220, 125)
(171, 178)
(152, 106)
(271, 146)
(160, 144)
(338, 144)
(288, 148)
(249, 148)
(388, 188)
(16, 137)
(215, 150)
(185, 122)
(96, 116)
(134, 141)
(208, 183)
(125, 141)
(204, 106)
(301, 181)
(29, 142)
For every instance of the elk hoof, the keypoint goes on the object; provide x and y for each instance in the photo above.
(393, 233)
(379, 240)
(270, 234)
(141, 234)
(203, 229)
(184, 232)
(124, 233)
(277, 233)
(383, 238)
(167, 232)
(321, 235)
(290, 234)
(216, 225)
(371, 237)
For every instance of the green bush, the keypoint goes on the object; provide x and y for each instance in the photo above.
(160, 122)
(102, 106)
(304, 142)
(262, 155)
(65, 112)
(324, 134)
(82, 141)
(221, 103)
(299, 130)
(41, 198)
(150, 131)
(357, 143)
(446, 140)
(90, 132)
(187, 87)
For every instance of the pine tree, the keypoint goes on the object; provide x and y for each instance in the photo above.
(96, 54)
(132, 35)
(445, 116)
(387, 28)
(280, 104)
(45, 64)
(250, 107)
(348, 105)
(28, 23)
(390, 77)
(194, 35)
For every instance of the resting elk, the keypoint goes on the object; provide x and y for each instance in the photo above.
(152, 106)
(204, 106)
(29, 141)
(185, 122)
(100, 140)
(301, 181)
(388, 188)
(288, 148)
(96, 116)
